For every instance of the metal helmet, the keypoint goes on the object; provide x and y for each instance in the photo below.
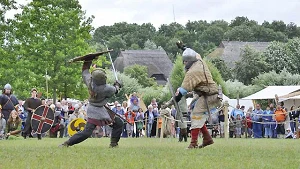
(189, 55)
(99, 76)
(7, 86)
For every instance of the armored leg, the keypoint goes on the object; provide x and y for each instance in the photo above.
(207, 140)
(81, 136)
(194, 139)
(117, 129)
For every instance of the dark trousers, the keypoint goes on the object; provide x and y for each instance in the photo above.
(54, 134)
(27, 129)
(280, 129)
(6, 114)
(117, 128)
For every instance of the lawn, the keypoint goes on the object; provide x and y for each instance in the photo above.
(149, 153)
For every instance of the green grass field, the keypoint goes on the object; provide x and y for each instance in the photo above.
(150, 153)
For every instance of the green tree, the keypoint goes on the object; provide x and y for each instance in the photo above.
(238, 21)
(225, 71)
(47, 34)
(278, 54)
(212, 34)
(149, 45)
(129, 85)
(216, 75)
(250, 66)
(177, 74)
(240, 33)
(277, 79)
(238, 89)
(140, 73)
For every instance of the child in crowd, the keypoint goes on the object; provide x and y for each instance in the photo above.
(231, 128)
(238, 126)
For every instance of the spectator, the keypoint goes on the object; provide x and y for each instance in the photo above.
(135, 105)
(238, 126)
(235, 112)
(293, 115)
(267, 119)
(249, 124)
(129, 115)
(221, 123)
(13, 124)
(124, 106)
(280, 116)
(231, 128)
(119, 110)
(114, 109)
(290, 134)
(62, 116)
(66, 117)
(139, 122)
(57, 124)
(133, 97)
(257, 119)
(274, 127)
(154, 103)
(76, 114)
(70, 108)
(150, 116)
(2, 126)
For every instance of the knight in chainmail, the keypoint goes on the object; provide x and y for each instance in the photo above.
(198, 79)
(97, 114)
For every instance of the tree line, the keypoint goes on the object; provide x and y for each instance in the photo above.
(37, 43)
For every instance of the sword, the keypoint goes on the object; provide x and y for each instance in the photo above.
(175, 103)
(112, 63)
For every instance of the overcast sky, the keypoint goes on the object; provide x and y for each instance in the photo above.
(157, 12)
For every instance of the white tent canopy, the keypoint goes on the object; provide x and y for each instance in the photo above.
(270, 92)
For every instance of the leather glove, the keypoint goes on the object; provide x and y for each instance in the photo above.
(118, 83)
(178, 97)
(86, 65)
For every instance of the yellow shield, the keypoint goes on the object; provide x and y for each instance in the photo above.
(76, 125)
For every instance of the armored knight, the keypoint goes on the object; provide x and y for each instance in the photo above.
(97, 114)
(8, 101)
(198, 79)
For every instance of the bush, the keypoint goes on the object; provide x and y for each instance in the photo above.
(236, 88)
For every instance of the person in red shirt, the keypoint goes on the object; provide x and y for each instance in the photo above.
(249, 124)
(129, 115)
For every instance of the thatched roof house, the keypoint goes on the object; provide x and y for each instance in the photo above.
(158, 63)
(230, 51)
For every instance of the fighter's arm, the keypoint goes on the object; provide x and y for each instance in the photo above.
(26, 105)
(86, 75)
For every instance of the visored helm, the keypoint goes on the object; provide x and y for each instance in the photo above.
(7, 86)
(99, 76)
(189, 55)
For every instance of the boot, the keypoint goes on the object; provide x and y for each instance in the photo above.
(180, 135)
(184, 134)
(114, 142)
(39, 136)
(65, 144)
(207, 140)
(194, 139)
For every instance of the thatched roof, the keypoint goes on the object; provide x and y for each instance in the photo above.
(158, 63)
(230, 51)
